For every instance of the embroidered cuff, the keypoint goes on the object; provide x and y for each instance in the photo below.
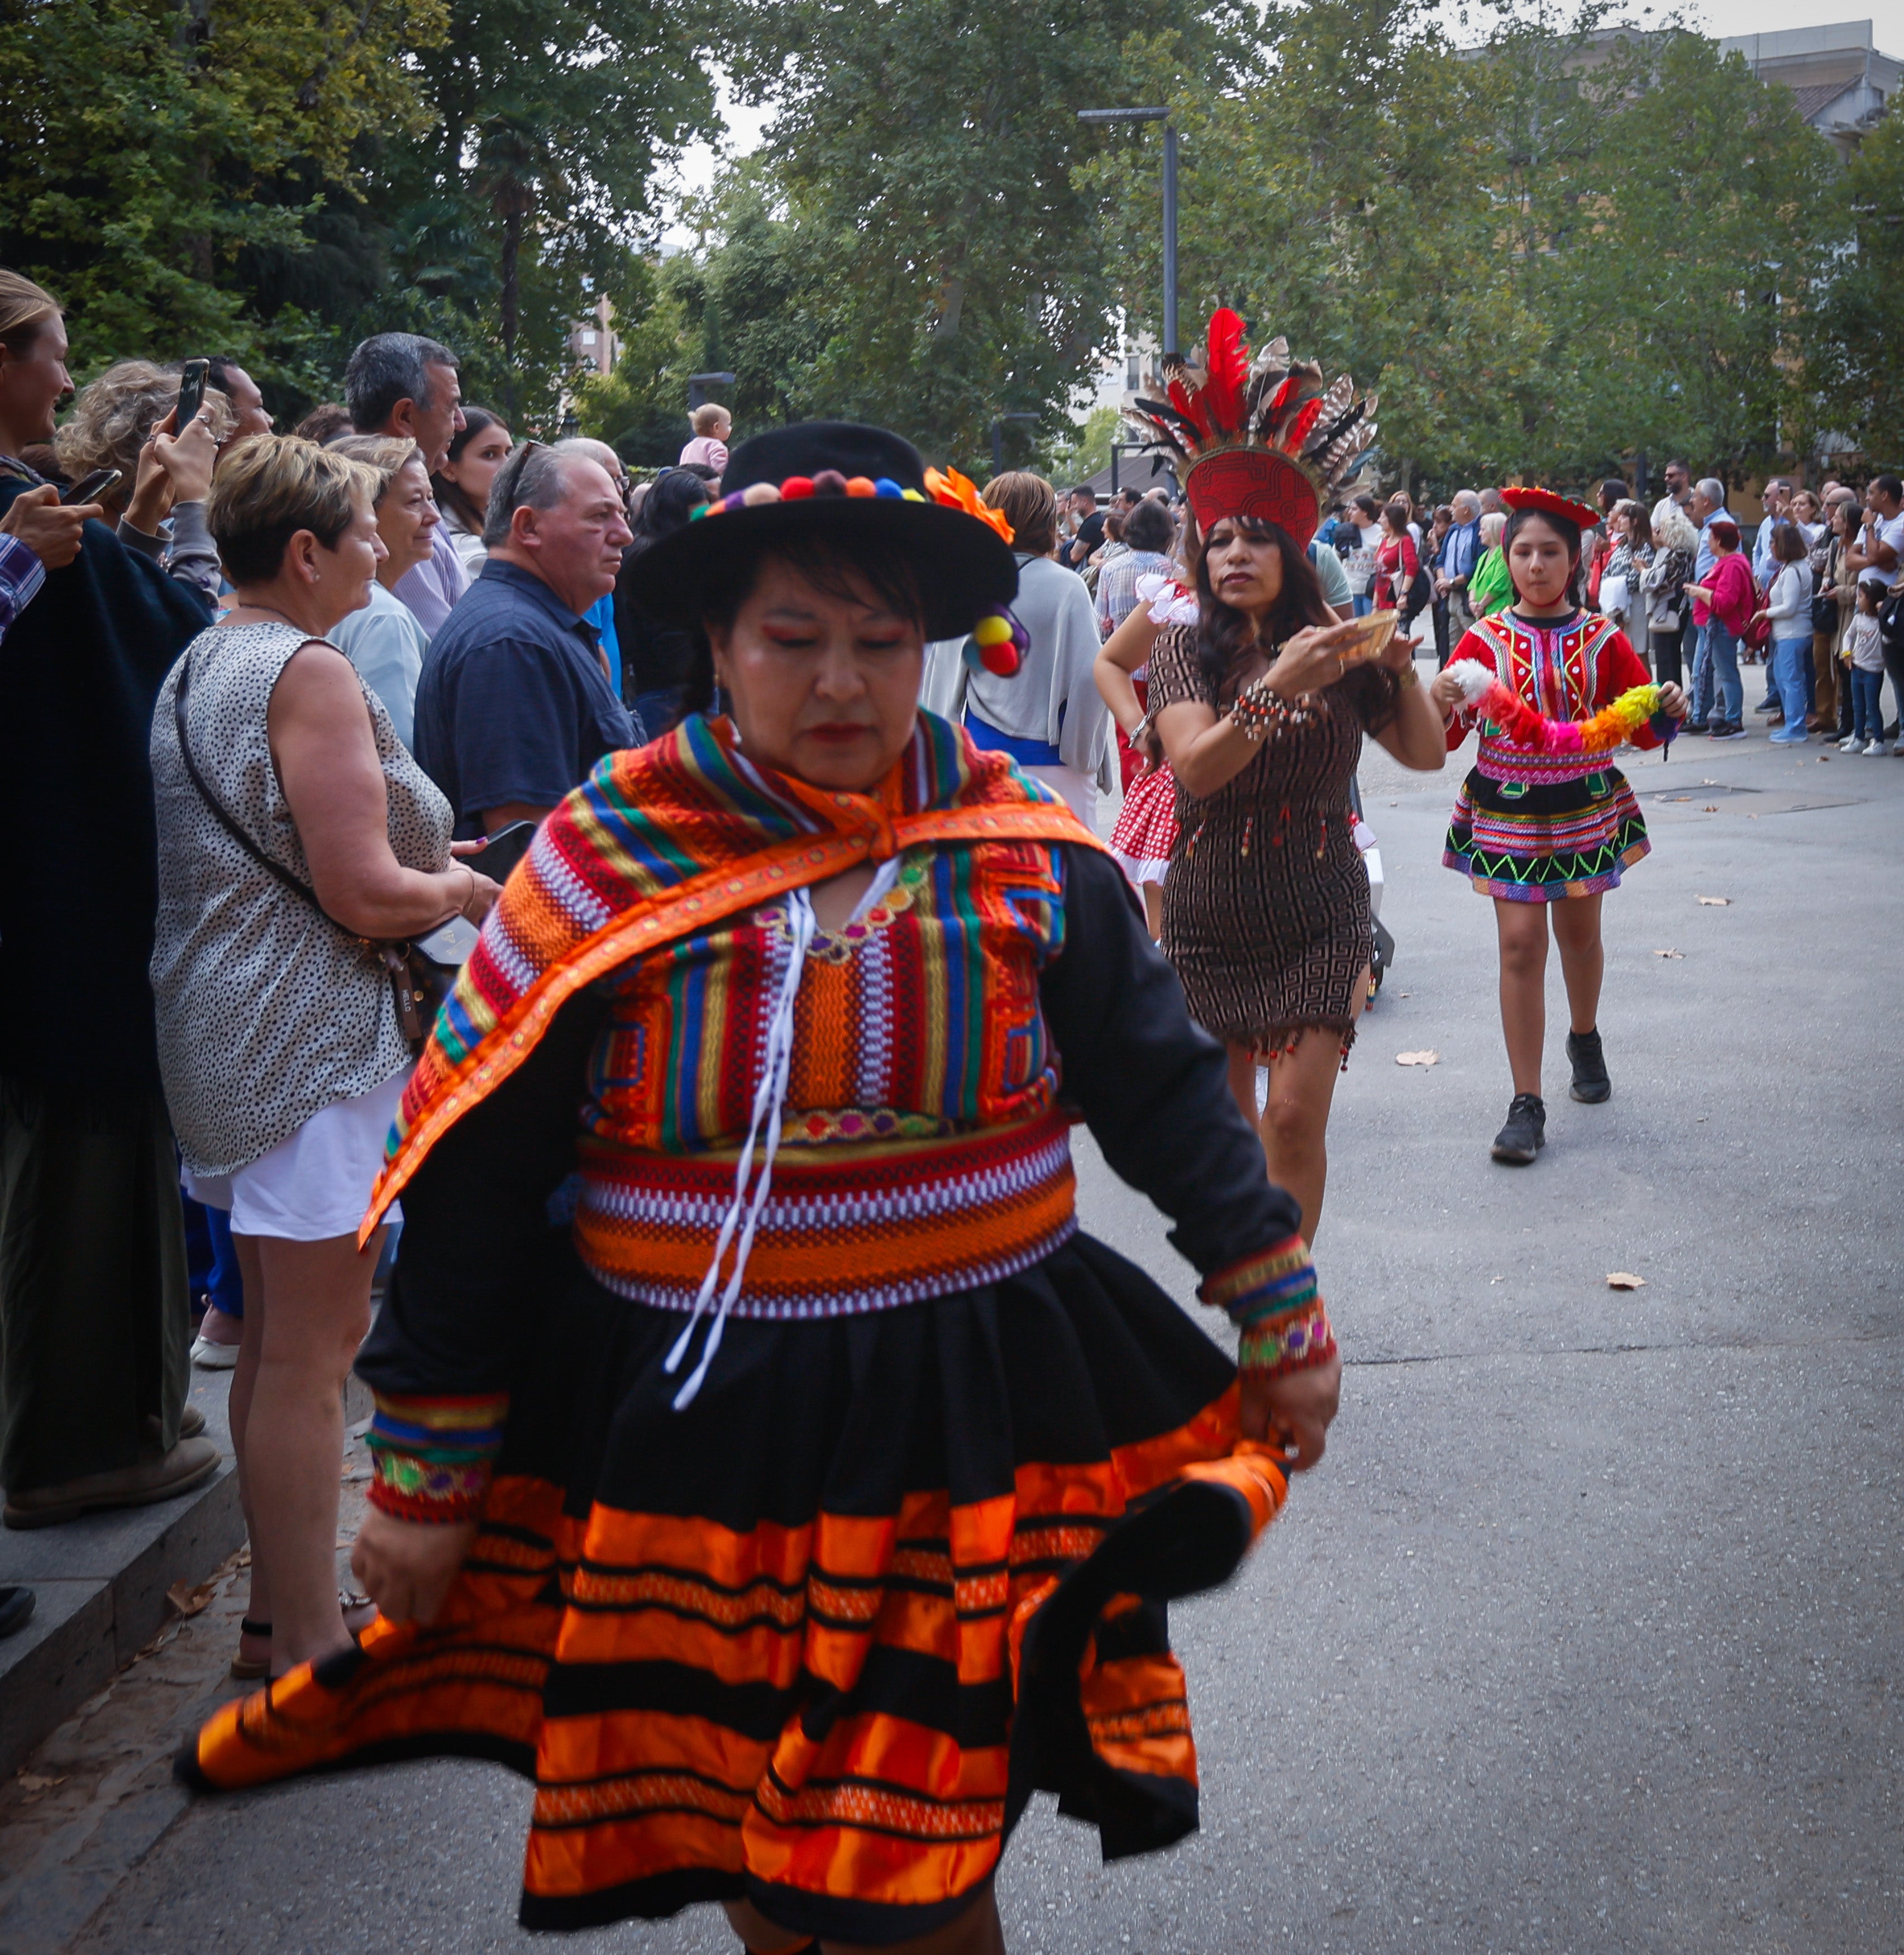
(1277, 1346)
(431, 1456)
(1281, 1278)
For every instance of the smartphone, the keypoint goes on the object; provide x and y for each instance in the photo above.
(502, 851)
(90, 488)
(191, 392)
(450, 943)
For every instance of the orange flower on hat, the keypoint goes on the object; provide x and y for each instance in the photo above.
(956, 491)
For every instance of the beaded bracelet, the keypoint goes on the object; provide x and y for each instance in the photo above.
(1258, 712)
(1286, 1344)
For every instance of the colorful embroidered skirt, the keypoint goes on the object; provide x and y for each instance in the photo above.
(1147, 828)
(1536, 841)
(815, 1641)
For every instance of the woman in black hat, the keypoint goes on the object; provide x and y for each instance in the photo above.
(812, 1494)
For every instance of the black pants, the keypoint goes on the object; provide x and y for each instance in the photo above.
(1667, 669)
(94, 1303)
(1438, 612)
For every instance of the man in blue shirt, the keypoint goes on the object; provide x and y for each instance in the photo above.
(515, 705)
(1460, 551)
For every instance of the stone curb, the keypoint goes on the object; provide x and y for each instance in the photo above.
(100, 1583)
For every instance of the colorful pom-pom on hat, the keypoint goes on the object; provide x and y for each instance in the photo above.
(822, 477)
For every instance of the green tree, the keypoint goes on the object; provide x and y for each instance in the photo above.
(150, 142)
(1570, 243)
(1859, 377)
(928, 148)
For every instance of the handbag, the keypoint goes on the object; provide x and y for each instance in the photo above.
(1614, 597)
(419, 982)
(1824, 597)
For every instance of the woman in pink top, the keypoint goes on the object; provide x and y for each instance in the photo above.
(1722, 608)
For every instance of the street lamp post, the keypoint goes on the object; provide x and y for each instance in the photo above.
(1169, 203)
(997, 439)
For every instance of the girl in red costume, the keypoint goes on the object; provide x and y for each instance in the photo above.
(1533, 828)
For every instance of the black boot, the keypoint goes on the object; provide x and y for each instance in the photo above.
(1526, 1131)
(1589, 1063)
(16, 1605)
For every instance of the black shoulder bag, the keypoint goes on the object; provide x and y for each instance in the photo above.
(418, 984)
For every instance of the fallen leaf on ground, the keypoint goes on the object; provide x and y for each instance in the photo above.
(1711, 808)
(1418, 1059)
(1624, 1279)
(1716, 903)
(1669, 953)
(188, 1601)
(38, 1782)
(1822, 758)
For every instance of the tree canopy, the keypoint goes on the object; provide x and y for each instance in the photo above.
(1565, 245)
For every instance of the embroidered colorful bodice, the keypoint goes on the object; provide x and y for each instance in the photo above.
(917, 1148)
(1565, 669)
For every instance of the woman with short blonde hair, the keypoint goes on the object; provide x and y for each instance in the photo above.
(298, 842)
(384, 640)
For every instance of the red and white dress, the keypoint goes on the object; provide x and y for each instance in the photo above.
(1147, 827)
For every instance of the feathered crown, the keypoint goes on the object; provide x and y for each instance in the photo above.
(1262, 437)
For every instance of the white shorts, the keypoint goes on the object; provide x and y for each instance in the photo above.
(315, 1183)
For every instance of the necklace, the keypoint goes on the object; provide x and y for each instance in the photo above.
(271, 611)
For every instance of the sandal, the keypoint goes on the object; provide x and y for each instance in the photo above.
(248, 1670)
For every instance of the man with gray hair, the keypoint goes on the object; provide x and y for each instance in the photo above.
(515, 704)
(1461, 550)
(403, 385)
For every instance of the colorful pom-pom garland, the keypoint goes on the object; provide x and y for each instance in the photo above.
(1611, 726)
(948, 488)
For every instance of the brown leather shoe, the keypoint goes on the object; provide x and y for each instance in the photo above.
(191, 1423)
(190, 1462)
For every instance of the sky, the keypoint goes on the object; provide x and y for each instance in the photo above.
(1721, 18)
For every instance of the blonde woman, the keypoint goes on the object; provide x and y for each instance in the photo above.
(296, 834)
(384, 640)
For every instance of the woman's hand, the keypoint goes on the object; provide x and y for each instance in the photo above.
(171, 470)
(1672, 702)
(187, 458)
(407, 1566)
(1398, 653)
(1293, 1411)
(1759, 617)
(49, 527)
(1312, 659)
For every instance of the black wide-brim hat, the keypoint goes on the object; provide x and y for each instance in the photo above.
(836, 479)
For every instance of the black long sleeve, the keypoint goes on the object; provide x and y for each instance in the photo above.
(476, 1233)
(1152, 1084)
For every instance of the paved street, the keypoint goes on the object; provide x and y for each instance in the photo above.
(1587, 1635)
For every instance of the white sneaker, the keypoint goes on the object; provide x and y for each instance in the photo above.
(210, 1357)
(1875, 747)
(1849, 746)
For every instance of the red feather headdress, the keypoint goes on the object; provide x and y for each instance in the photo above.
(1263, 439)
